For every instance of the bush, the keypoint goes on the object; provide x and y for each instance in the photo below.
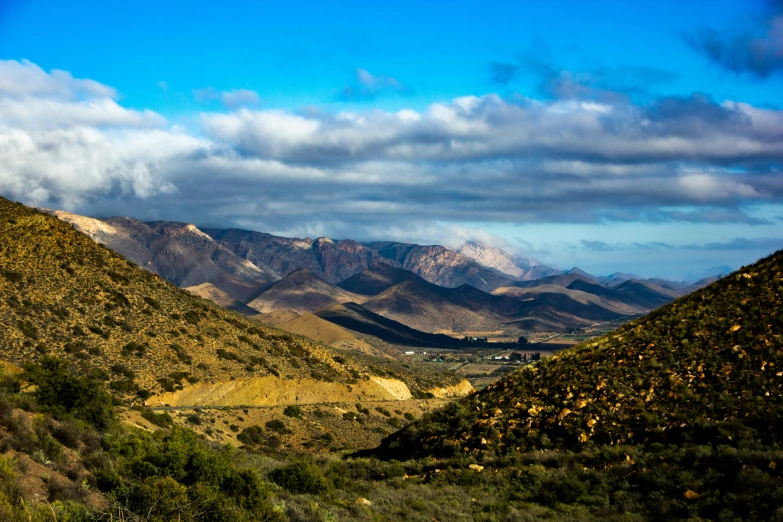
(162, 420)
(293, 412)
(277, 426)
(300, 477)
(251, 436)
(62, 393)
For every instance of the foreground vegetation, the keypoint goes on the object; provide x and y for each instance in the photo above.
(58, 428)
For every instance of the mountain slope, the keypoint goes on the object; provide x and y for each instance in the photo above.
(442, 266)
(375, 279)
(707, 368)
(334, 261)
(220, 298)
(518, 267)
(178, 252)
(644, 294)
(562, 280)
(66, 295)
(358, 319)
(301, 291)
(423, 306)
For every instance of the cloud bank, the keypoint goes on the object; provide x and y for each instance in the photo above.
(67, 142)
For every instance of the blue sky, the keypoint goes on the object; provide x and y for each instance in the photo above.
(397, 120)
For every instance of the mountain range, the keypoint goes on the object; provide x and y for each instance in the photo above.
(474, 289)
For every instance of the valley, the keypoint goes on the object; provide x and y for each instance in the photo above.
(442, 390)
(382, 297)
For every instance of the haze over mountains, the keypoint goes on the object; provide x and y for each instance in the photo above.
(476, 288)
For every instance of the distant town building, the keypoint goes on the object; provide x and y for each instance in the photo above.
(409, 353)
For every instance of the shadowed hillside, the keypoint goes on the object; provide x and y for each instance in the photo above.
(357, 318)
(377, 278)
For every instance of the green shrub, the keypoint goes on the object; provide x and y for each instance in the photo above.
(277, 426)
(300, 477)
(162, 420)
(61, 392)
(251, 436)
(292, 411)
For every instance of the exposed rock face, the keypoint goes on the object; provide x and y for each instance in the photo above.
(520, 267)
(273, 391)
(334, 261)
(461, 389)
(339, 260)
(443, 266)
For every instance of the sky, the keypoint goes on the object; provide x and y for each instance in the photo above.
(642, 137)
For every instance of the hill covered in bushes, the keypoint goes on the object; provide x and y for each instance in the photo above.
(707, 368)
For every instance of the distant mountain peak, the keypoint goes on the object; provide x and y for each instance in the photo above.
(578, 271)
(518, 267)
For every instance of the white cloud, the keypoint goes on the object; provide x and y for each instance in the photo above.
(24, 79)
(367, 174)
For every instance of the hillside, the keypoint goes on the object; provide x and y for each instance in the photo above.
(358, 319)
(442, 266)
(178, 252)
(65, 295)
(645, 294)
(375, 279)
(560, 279)
(705, 369)
(422, 305)
(334, 261)
(219, 297)
(326, 332)
(301, 291)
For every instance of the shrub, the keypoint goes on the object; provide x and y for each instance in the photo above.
(292, 411)
(162, 420)
(300, 477)
(277, 426)
(251, 436)
(62, 393)
(28, 329)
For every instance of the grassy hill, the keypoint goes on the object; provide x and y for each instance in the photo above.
(64, 295)
(706, 369)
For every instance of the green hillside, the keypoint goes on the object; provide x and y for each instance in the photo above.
(707, 368)
(64, 295)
